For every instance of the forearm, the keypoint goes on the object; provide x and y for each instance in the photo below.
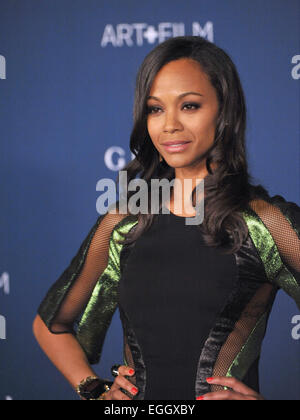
(65, 353)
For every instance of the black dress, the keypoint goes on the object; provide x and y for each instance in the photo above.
(172, 289)
(188, 311)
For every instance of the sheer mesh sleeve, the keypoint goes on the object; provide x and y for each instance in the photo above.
(65, 302)
(282, 219)
(274, 228)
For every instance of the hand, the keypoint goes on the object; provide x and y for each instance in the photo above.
(238, 391)
(121, 382)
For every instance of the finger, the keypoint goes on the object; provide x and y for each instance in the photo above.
(126, 371)
(232, 383)
(223, 396)
(122, 382)
(119, 395)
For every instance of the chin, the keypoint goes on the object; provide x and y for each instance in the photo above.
(179, 162)
(178, 159)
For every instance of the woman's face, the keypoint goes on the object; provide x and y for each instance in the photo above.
(174, 114)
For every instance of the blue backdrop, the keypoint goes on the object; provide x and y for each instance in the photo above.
(67, 75)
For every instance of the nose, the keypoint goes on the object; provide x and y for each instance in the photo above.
(172, 123)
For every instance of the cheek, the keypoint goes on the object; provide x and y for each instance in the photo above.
(204, 126)
(153, 130)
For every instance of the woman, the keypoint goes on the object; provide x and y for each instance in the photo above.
(194, 300)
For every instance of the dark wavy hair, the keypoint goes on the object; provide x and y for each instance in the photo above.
(228, 190)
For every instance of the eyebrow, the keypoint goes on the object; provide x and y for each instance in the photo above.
(179, 97)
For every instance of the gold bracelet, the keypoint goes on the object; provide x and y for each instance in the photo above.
(102, 396)
(88, 380)
(107, 388)
(84, 382)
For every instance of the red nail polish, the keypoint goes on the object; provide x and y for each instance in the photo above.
(131, 372)
(209, 379)
(134, 390)
(200, 398)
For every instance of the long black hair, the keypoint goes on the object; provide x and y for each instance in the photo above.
(228, 188)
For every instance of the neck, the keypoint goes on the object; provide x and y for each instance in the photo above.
(186, 180)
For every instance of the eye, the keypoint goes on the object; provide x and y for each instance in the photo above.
(152, 109)
(191, 106)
